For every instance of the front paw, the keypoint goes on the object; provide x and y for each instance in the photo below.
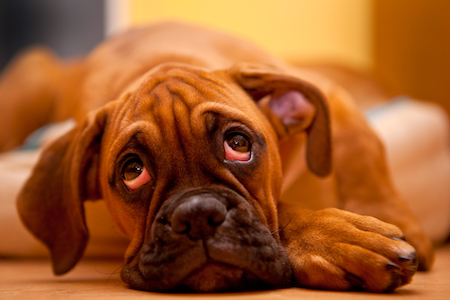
(339, 250)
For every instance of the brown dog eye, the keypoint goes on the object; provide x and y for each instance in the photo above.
(134, 174)
(237, 147)
(238, 142)
(132, 169)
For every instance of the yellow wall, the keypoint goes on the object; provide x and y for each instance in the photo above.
(331, 30)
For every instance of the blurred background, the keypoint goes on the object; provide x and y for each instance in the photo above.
(405, 43)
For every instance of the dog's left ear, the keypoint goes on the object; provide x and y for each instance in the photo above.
(292, 106)
(51, 201)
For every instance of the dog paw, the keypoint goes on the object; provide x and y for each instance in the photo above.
(338, 250)
(395, 212)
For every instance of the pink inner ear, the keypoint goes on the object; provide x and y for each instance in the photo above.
(292, 108)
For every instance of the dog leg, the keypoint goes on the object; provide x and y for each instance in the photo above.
(363, 181)
(27, 95)
(339, 250)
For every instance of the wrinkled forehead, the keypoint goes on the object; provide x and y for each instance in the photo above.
(181, 103)
(183, 91)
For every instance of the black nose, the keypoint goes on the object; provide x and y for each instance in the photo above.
(198, 216)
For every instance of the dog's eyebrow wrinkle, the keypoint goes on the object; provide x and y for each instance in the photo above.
(181, 132)
(133, 143)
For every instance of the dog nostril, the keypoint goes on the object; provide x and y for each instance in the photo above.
(217, 218)
(181, 227)
(198, 216)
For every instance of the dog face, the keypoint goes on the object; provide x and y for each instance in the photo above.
(189, 167)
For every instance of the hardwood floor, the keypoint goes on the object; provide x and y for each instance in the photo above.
(23, 279)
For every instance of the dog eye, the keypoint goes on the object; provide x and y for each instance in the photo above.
(237, 147)
(134, 174)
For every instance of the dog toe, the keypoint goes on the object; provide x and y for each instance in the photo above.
(374, 271)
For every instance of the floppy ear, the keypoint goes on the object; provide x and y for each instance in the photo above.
(51, 202)
(292, 106)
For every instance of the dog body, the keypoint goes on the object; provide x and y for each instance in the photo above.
(186, 134)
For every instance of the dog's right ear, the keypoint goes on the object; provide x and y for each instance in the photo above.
(51, 202)
(292, 105)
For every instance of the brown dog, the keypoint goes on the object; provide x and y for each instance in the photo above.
(186, 134)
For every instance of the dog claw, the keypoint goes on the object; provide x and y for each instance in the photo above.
(392, 266)
(411, 261)
(422, 266)
(411, 257)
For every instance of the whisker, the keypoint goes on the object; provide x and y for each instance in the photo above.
(111, 274)
(281, 228)
(284, 229)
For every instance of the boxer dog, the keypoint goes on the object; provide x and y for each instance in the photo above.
(187, 134)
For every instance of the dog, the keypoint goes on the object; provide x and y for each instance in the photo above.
(197, 141)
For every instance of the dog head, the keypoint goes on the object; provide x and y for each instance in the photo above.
(188, 164)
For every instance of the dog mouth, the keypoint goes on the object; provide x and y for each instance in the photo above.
(214, 277)
(238, 254)
(195, 272)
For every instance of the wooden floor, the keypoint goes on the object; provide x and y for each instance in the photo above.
(100, 280)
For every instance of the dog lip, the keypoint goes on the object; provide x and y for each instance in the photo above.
(224, 268)
(215, 277)
(210, 276)
(191, 277)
